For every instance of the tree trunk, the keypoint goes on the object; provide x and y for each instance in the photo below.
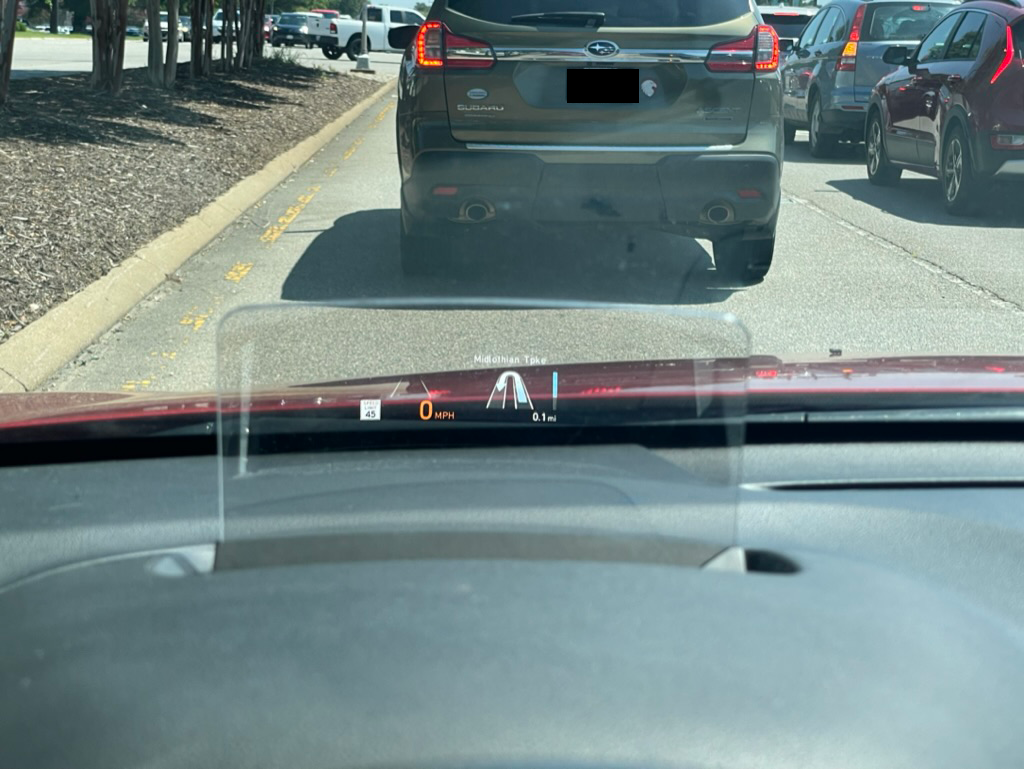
(261, 11)
(227, 36)
(245, 37)
(155, 68)
(195, 65)
(121, 29)
(108, 44)
(171, 65)
(54, 16)
(8, 13)
(208, 46)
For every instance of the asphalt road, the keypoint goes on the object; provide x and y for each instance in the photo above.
(53, 56)
(860, 270)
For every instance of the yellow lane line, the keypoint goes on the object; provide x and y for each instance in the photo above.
(384, 113)
(239, 271)
(273, 232)
(195, 319)
(352, 150)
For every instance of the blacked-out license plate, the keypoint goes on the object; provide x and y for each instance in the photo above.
(597, 85)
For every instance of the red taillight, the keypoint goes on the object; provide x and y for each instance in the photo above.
(767, 49)
(429, 45)
(848, 60)
(334, 28)
(1008, 58)
(437, 47)
(1007, 141)
(466, 53)
(759, 51)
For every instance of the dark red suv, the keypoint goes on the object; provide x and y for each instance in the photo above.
(955, 107)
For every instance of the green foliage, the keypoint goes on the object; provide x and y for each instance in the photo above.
(20, 26)
(352, 7)
(79, 7)
(423, 8)
(281, 56)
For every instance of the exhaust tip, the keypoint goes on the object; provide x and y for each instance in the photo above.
(719, 213)
(476, 211)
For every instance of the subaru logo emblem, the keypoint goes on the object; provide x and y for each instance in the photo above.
(602, 48)
(477, 94)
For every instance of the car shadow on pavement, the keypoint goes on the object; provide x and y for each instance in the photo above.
(359, 258)
(847, 154)
(919, 199)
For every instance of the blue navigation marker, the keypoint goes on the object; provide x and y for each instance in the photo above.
(554, 391)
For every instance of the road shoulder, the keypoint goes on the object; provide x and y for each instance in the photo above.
(39, 350)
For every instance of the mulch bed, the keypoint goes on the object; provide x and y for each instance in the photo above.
(87, 179)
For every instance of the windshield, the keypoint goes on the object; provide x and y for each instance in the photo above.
(902, 21)
(767, 162)
(785, 24)
(617, 13)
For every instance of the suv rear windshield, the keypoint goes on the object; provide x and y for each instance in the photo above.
(618, 13)
(293, 18)
(902, 21)
(786, 26)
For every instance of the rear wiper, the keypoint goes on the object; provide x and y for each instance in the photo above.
(592, 19)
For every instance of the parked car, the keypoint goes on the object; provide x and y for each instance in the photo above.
(954, 109)
(341, 35)
(294, 29)
(164, 27)
(133, 32)
(268, 24)
(828, 77)
(512, 112)
(218, 24)
(185, 24)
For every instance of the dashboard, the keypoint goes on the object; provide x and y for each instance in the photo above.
(530, 606)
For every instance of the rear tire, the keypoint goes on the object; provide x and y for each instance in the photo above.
(821, 144)
(355, 47)
(881, 171)
(959, 181)
(744, 262)
(332, 52)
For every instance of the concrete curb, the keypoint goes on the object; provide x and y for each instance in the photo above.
(43, 347)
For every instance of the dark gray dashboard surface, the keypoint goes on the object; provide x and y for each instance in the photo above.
(899, 643)
(494, 664)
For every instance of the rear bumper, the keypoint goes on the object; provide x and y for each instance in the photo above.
(847, 111)
(1001, 165)
(1011, 169)
(676, 191)
(296, 37)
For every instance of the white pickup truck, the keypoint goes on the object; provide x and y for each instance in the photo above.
(338, 36)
